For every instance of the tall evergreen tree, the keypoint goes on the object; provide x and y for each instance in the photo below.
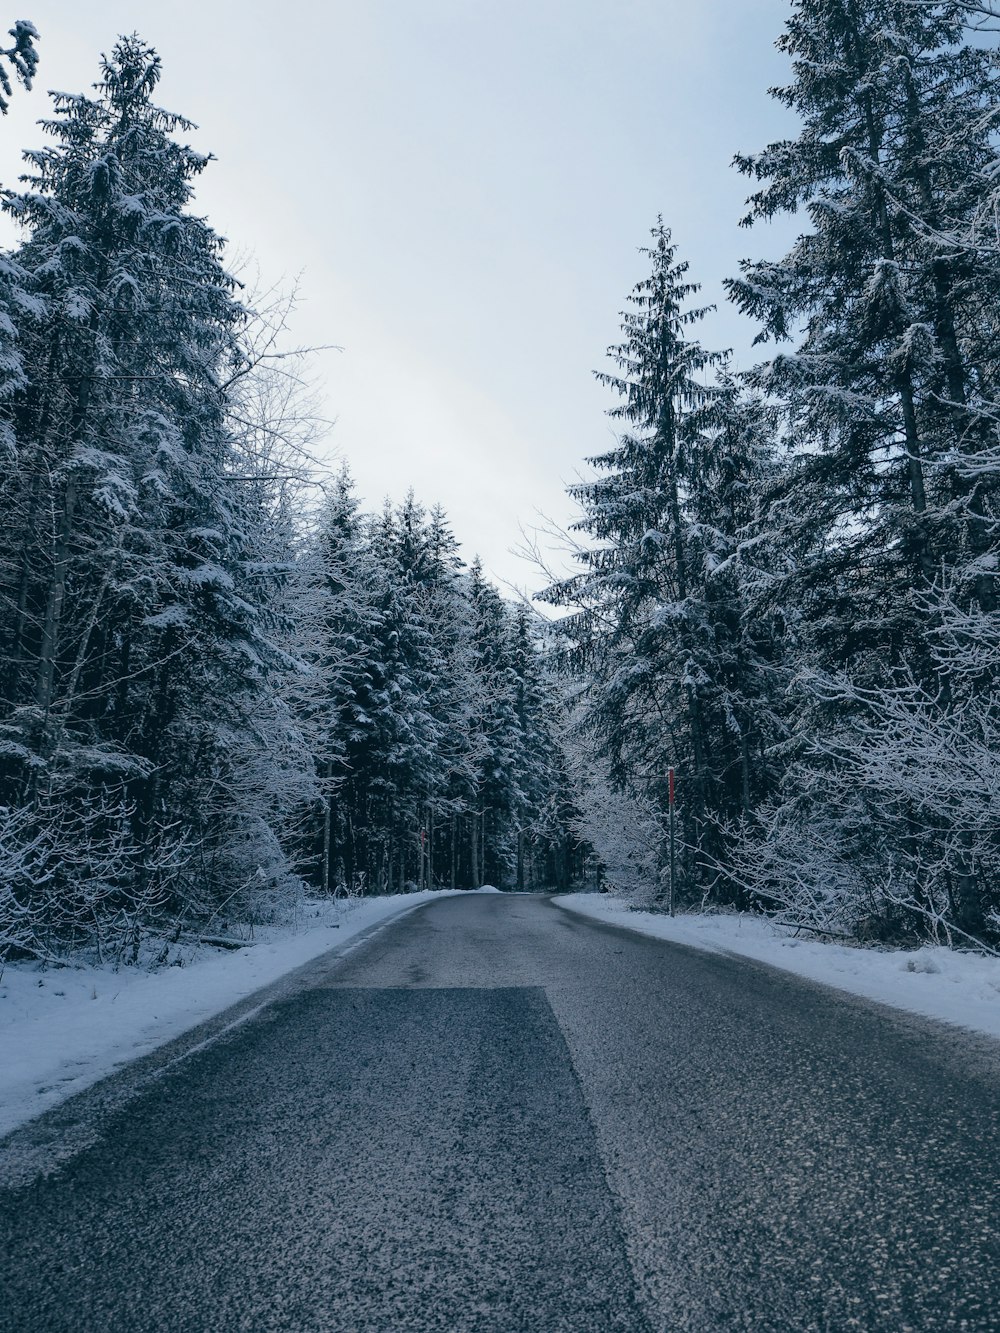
(891, 382)
(434, 735)
(138, 627)
(496, 811)
(889, 507)
(659, 624)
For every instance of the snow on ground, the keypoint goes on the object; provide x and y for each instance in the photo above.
(63, 1028)
(960, 988)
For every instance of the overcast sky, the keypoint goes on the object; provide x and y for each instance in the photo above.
(463, 186)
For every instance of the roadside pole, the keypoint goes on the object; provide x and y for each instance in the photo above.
(673, 859)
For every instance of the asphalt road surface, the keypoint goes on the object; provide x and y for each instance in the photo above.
(495, 1115)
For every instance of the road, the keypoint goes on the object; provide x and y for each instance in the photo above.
(495, 1115)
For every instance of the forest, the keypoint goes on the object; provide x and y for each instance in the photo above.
(788, 578)
(224, 683)
(221, 680)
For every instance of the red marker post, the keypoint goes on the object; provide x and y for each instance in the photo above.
(673, 864)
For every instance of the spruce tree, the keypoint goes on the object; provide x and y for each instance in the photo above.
(887, 512)
(496, 737)
(22, 58)
(138, 625)
(890, 382)
(640, 628)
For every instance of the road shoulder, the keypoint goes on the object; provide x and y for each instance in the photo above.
(962, 989)
(64, 1029)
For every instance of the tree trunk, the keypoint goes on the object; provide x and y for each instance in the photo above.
(482, 847)
(474, 848)
(54, 603)
(327, 813)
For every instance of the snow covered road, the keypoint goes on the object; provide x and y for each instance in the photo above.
(497, 1115)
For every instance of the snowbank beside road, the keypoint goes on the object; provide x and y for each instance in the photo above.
(63, 1028)
(958, 988)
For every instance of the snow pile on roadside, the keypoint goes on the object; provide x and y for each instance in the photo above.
(959, 988)
(63, 1028)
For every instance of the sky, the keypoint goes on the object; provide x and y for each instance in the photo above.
(460, 189)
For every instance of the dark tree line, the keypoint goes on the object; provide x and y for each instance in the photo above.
(788, 583)
(435, 728)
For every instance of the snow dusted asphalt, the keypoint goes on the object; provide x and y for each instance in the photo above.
(497, 1115)
(954, 987)
(64, 1028)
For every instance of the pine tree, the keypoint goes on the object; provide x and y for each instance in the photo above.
(890, 381)
(454, 698)
(138, 625)
(22, 59)
(434, 731)
(496, 732)
(652, 617)
(744, 626)
(887, 512)
(544, 811)
(339, 621)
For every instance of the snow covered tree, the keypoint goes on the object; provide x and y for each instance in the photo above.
(200, 693)
(338, 620)
(543, 810)
(428, 715)
(890, 504)
(661, 625)
(443, 589)
(496, 729)
(138, 623)
(22, 59)
(409, 776)
(891, 381)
